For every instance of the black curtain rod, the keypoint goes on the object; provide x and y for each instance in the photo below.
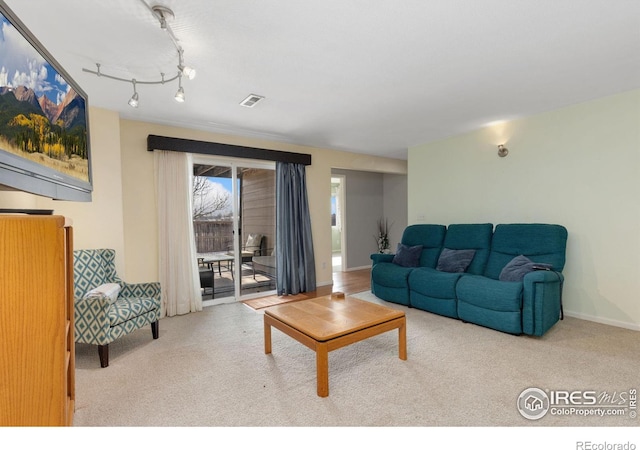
(218, 149)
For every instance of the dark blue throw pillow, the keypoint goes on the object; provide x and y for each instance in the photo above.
(518, 267)
(455, 261)
(408, 256)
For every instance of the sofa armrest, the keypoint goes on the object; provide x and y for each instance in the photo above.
(381, 257)
(91, 320)
(541, 301)
(149, 290)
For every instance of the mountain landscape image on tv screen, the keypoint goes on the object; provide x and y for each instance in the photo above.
(42, 118)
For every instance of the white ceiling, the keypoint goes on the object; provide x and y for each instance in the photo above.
(368, 76)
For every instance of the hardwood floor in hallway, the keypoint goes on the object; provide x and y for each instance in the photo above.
(348, 282)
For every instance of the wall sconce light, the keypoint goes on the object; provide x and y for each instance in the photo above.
(502, 151)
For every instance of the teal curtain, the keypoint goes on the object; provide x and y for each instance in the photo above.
(295, 259)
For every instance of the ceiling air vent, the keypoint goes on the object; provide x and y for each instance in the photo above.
(251, 100)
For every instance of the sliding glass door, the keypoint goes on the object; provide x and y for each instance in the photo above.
(234, 226)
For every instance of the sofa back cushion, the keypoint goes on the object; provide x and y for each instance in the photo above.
(471, 236)
(541, 243)
(430, 236)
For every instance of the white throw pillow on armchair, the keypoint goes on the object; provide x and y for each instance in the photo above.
(109, 290)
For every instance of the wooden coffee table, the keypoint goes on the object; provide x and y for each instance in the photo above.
(328, 323)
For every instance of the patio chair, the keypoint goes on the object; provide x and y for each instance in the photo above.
(255, 246)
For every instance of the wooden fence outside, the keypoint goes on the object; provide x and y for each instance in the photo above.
(213, 235)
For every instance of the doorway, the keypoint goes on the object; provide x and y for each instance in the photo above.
(338, 232)
(234, 227)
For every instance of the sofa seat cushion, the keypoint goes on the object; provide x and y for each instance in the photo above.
(434, 283)
(490, 294)
(129, 308)
(390, 275)
(506, 321)
(434, 291)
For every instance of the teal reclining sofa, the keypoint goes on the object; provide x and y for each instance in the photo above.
(508, 278)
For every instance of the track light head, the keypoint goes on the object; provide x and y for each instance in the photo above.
(188, 72)
(133, 101)
(180, 95)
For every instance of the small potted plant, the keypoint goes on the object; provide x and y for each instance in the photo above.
(382, 238)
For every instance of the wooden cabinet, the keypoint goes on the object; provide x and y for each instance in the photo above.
(37, 357)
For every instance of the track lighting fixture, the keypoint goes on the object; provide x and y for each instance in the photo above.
(163, 15)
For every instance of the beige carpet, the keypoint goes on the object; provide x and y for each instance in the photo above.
(209, 369)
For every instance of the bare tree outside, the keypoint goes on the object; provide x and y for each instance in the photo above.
(209, 202)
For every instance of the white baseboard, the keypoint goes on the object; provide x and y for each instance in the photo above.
(615, 323)
(325, 283)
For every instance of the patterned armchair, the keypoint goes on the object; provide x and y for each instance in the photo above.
(102, 315)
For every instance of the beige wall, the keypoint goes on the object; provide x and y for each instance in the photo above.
(139, 206)
(578, 166)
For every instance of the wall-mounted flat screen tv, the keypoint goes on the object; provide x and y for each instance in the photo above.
(44, 132)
